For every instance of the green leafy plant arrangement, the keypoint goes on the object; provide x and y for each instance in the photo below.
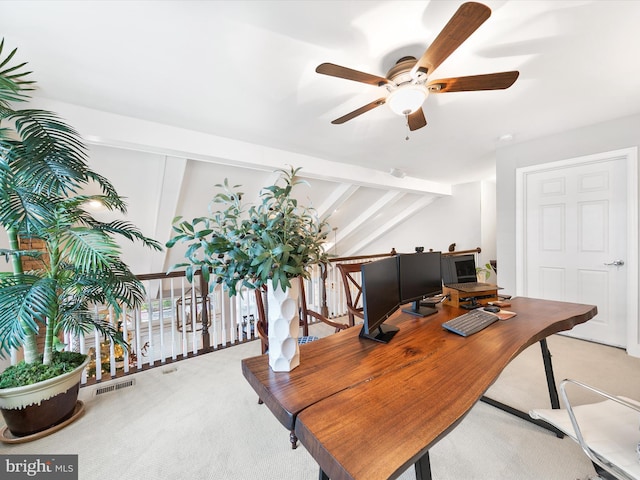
(24, 373)
(43, 169)
(485, 271)
(275, 240)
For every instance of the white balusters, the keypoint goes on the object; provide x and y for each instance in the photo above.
(169, 326)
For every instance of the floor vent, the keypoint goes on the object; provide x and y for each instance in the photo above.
(115, 387)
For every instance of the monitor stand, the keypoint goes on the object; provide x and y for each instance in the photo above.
(382, 334)
(420, 311)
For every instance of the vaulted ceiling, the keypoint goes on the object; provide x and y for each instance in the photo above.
(244, 71)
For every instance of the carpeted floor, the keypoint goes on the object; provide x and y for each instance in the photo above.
(199, 419)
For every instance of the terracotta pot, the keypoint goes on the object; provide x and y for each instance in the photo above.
(34, 408)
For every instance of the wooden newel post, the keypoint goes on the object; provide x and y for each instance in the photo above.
(204, 293)
(324, 310)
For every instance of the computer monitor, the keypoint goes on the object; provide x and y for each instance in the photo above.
(420, 277)
(459, 269)
(380, 298)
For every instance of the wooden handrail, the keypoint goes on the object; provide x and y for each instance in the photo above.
(360, 257)
(163, 275)
(393, 252)
(462, 252)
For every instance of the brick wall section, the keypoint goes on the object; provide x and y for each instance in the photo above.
(29, 263)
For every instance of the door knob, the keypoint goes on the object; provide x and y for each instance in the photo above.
(617, 263)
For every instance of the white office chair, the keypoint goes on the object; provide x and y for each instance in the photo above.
(608, 431)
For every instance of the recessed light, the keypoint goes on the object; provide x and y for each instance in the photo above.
(507, 137)
(95, 205)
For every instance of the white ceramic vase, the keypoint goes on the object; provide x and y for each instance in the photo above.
(284, 325)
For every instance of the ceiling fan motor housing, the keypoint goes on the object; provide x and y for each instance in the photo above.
(402, 66)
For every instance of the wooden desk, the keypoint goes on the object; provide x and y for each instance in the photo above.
(366, 410)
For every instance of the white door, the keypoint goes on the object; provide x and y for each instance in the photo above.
(575, 236)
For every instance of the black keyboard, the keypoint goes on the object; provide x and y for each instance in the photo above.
(471, 322)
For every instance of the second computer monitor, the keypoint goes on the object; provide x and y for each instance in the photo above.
(419, 277)
(380, 298)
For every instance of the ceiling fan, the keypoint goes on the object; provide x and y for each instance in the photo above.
(408, 81)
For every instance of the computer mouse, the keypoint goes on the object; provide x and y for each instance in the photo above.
(492, 308)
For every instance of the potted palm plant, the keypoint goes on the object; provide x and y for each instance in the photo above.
(43, 170)
(267, 244)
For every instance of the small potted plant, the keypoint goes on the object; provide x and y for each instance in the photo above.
(266, 244)
(484, 272)
(43, 169)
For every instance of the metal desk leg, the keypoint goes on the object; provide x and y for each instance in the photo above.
(553, 394)
(548, 370)
(423, 468)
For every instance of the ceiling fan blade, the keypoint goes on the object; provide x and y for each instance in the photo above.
(350, 74)
(359, 111)
(464, 22)
(416, 120)
(490, 81)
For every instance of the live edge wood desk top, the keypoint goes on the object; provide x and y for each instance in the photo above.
(366, 410)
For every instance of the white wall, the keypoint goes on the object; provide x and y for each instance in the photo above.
(466, 218)
(603, 137)
(488, 226)
(139, 182)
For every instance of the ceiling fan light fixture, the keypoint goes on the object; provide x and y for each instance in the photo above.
(407, 99)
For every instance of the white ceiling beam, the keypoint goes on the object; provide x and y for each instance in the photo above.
(387, 199)
(170, 189)
(333, 202)
(379, 232)
(103, 128)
